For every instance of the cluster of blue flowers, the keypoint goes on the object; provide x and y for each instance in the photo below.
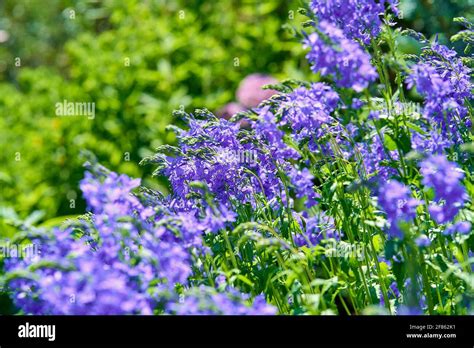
(342, 59)
(445, 178)
(141, 252)
(208, 301)
(359, 20)
(395, 198)
(444, 81)
(107, 263)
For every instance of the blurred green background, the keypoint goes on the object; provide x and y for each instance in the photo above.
(137, 61)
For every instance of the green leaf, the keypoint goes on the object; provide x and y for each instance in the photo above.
(390, 144)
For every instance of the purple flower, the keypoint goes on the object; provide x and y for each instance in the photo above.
(267, 131)
(221, 281)
(302, 180)
(211, 153)
(318, 227)
(217, 219)
(444, 81)
(230, 110)
(77, 281)
(374, 157)
(250, 93)
(392, 293)
(423, 241)
(308, 112)
(394, 289)
(207, 301)
(461, 227)
(114, 189)
(406, 310)
(359, 19)
(431, 142)
(342, 59)
(444, 178)
(109, 267)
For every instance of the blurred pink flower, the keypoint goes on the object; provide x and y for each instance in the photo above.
(250, 92)
(230, 110)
